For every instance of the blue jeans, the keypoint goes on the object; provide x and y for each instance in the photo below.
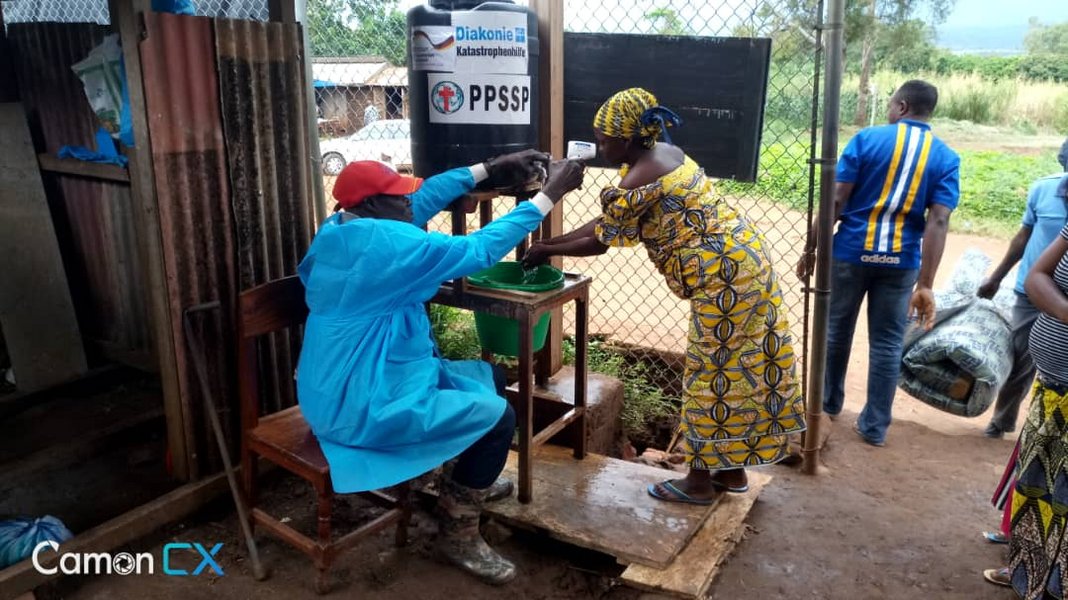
(480, 465)
(888, 291)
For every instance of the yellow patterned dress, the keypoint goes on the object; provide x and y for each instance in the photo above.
(741, 398)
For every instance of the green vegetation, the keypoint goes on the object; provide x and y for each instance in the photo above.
(357, 28)
(454, 329)
(644, 402)
(993, 184)
(994, 187)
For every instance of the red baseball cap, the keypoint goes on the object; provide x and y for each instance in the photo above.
(362, 179)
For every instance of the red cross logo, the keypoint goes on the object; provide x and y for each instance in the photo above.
(447, 97)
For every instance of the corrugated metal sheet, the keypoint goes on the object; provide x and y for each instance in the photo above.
(263, 104)
(264, 120)
(95, 220)
(192, 186)
(53, 95)
(227, 118)
(103, 264)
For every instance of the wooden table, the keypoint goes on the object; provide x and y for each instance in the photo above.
(526, 308)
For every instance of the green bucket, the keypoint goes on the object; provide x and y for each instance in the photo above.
(500, 335)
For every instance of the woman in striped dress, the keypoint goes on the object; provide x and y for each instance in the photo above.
(1038, 550)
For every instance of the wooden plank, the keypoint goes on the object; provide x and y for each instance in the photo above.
(551, 139)
(128, 527)
(694, 569)
(547, 433)
(601, 503)
(72, 451)
(282, 11)
(81, 168)
(126, 19)
(36, 311)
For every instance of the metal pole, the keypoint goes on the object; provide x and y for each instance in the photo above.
(196, 349)
(825, 220)
(318, 196)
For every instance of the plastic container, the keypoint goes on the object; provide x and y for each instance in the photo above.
(500, 335)
(465, 109)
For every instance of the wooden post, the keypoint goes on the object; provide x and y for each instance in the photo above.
(299, 9)
(282, 11)
(525, 410)
(126, 20)
(551, 137)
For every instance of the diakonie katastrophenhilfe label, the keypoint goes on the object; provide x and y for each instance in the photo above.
(491, 42)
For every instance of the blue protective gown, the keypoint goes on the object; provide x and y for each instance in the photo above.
(384, 407)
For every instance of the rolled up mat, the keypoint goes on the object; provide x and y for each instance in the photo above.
(960, 365)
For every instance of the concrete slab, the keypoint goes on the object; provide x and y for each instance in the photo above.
(604, 405)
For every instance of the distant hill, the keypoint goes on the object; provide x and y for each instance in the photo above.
(998, 39)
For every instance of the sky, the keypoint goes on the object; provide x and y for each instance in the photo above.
(993, 13)
(720, 13)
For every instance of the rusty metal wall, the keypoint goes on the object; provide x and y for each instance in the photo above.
(94, 219)
(196, 223)
(264, 120)
(227, 119)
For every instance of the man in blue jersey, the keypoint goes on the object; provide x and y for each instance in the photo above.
(1043, 219)
(896, 187)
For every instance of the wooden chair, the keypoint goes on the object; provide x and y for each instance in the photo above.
(285, 439)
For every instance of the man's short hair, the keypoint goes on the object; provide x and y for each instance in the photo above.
(921, 96)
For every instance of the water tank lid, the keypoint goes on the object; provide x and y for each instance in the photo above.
(461, 4)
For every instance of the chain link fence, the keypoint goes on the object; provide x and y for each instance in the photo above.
(96, 11)
(358, 51)
(631, 307)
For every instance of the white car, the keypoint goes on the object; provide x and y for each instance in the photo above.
(389, 140)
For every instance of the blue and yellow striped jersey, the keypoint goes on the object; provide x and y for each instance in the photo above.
(897, 171)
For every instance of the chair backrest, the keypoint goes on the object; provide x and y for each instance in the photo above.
(274, 306)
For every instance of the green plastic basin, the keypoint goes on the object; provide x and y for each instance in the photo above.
(500, 335)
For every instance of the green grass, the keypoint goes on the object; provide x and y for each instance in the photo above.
(643, 401)
(993, 184)
(994, 189)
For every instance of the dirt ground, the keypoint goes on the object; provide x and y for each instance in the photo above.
(897, 522)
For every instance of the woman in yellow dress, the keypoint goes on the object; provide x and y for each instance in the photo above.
(741, 400)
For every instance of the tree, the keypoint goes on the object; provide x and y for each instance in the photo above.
(357, 28)
(899, 20)
(892, 32)
(667, 22)
(1047, 39)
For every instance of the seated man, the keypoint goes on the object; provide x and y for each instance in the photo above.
(384, 406)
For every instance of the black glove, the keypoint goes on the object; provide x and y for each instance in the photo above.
(564, 176)
(516, 169)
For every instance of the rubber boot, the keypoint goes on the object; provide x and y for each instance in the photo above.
(459, 540)
(501, 489)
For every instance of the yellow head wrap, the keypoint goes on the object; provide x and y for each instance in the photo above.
(633, 113)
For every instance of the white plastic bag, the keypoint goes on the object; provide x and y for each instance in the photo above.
(102, 75)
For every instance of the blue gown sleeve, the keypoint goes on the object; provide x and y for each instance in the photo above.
(438, 192)
(425, 260)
